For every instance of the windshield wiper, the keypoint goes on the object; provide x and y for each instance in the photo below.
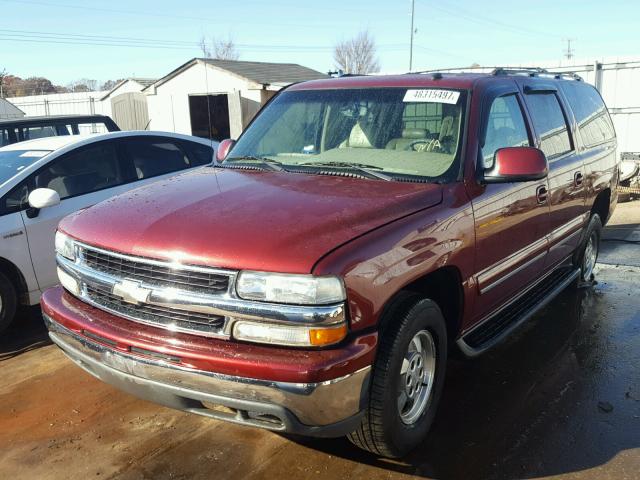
(269, 162)
(359, 167)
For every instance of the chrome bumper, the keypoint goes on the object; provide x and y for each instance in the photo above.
(330, 409)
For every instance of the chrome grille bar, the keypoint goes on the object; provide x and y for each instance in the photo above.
(138, 296)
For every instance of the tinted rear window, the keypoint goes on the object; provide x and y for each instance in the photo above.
(549, 123)
(593, 119)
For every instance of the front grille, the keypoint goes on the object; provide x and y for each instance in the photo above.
(155, 315)
(154, 274)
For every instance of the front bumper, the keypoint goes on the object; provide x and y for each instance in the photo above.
(327, 409)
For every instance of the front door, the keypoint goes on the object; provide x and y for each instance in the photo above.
(81, 178)
(511, 219)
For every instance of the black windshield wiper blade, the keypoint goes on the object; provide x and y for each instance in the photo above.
(271, 163)
(341, 164)
(370, 170)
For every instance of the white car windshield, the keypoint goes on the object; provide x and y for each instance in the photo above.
(391, 132)
(13, 161)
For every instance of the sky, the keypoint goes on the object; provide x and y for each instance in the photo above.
(65, 40)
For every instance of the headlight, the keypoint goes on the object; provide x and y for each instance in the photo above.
(291, 289)
(65, 246)
(293, 335)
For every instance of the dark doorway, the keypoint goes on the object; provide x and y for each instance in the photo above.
(209, 116)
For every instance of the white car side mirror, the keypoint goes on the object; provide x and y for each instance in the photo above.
(43, 198)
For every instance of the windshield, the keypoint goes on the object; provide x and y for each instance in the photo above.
(12, 161)
(398, 131)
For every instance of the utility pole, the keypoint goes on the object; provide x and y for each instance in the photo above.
(413, 9)
(569, 52)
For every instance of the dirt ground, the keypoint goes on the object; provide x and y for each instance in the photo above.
(561, 399)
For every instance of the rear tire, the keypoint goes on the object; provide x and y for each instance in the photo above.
(587, 255)
(8, 302)
(407, 381)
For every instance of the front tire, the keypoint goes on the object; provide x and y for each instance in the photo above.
(587, 255)
(407, 381)
(8, 302)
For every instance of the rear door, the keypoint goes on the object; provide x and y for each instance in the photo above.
(555, 135)
(511, 219)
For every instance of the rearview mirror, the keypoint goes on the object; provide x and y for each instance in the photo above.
(43, 198)
(223, 149)
(517, 164)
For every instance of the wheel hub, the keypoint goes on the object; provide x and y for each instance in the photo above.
(417, 377)
(590, 257)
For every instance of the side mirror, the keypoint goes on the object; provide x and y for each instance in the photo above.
(41, 198)
(517, 164)
(223, 149)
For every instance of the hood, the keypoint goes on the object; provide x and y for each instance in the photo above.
(271, 221)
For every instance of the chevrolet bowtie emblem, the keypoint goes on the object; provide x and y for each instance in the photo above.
(131, 292)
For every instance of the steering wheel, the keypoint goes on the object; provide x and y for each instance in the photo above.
(418, 146)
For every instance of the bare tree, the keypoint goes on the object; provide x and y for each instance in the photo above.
(219, 49)
(357, 55)
(3, 74)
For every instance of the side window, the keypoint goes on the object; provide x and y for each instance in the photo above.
(593, 119)
(154, 156)
(198, 154)
(549, 122)
(5, 139)
(84, 171)
(89, 128)
(31, 133)
(505, 128)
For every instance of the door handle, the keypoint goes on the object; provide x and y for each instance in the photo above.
(542, 194)
(578, 178)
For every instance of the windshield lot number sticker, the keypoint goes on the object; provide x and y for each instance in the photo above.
(432, 95)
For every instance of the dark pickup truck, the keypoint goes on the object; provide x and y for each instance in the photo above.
(30, 128)
(315, 280)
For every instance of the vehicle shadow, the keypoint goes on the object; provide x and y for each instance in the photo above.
(27, 333)
(496, 410)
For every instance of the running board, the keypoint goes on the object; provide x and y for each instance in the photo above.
(499, 326)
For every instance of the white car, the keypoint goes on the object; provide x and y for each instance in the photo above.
(43, 180)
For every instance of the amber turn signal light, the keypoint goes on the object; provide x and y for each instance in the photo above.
(319, 337)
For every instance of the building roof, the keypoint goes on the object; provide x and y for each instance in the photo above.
(266, 73)
(263, 73)
(9, 110)
(145, 82)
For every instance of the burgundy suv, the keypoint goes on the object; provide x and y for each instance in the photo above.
(361, 228)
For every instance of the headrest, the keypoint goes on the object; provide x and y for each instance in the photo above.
(358, 138)
(414, 133)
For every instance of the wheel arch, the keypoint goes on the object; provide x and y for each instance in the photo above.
(602, 205)
(13, 273)
(444, 287)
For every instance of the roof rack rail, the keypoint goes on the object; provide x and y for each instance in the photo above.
(531, 71)
(536, 72)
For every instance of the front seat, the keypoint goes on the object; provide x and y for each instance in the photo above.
(358, 138)
(409, 135)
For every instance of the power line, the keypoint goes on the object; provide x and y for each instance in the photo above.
(302, 25)
(7, 35)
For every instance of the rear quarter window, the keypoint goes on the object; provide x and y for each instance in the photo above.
(592, 117)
